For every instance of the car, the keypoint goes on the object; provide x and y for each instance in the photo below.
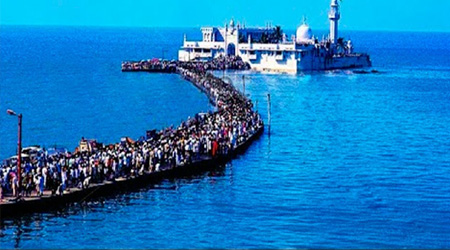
(32, 151)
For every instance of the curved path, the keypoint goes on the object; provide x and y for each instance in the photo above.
(235, 105)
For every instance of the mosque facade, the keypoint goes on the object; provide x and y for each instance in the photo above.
(268, 49)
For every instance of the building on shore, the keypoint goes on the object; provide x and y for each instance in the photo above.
(268, 49)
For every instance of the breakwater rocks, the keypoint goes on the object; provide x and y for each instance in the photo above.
(198, 144)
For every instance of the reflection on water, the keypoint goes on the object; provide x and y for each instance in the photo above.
(24, 230)
(352, 161)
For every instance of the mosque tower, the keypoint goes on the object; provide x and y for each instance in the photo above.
(334, 17)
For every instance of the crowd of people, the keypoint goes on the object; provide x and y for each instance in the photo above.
(218, 63)
(150, 65)
(204, 136)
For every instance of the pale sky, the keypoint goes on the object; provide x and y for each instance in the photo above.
(391, 15)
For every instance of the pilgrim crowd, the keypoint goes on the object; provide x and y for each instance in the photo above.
(218, 63)
(204, 136)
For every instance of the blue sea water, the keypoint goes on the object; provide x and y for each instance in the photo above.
(351, 161)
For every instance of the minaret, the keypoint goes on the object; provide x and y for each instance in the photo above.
(334, 16)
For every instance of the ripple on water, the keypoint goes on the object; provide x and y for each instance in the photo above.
(352, 161)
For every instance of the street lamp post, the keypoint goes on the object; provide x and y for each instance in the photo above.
(19, 146)
(243, 84)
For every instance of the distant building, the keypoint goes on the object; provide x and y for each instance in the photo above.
(268, 49)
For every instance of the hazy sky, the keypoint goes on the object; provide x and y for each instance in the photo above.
(401, 15)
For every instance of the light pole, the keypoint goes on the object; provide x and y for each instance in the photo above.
(19, 146)
(268, 111)
(243, 84)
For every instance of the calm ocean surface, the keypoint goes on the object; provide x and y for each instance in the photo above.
(352, 161)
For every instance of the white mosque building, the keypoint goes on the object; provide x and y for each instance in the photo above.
(267, 49)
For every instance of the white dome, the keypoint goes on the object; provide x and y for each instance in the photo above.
(304, 33)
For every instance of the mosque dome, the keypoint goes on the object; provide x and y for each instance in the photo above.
(304, 33)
